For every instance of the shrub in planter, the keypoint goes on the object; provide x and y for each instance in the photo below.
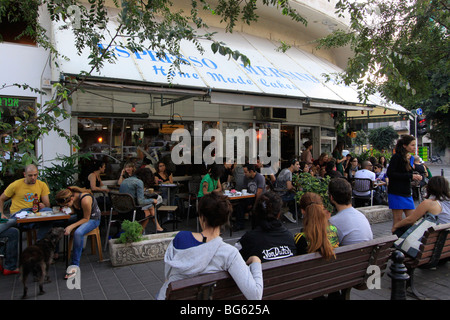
(132, 232)
(133, 248)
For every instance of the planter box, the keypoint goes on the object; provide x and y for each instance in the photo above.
(152, 248)
(376, 214)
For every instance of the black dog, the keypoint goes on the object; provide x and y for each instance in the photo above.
(36, 259)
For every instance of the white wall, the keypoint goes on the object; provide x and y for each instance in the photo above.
(28, 64)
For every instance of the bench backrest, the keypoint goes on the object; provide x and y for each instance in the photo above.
(435, 246)
(300, 277)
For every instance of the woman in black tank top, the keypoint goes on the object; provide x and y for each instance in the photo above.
(88, 217)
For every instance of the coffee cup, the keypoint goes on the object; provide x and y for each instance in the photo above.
(244, 191)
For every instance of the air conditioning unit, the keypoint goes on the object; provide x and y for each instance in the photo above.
(279, 113)
(266, 114)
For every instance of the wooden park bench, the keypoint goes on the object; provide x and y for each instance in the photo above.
(434, 248)
(300, 277)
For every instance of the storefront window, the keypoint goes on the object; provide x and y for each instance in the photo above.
(240, 150)
(325, 132)
(287, 136)
(306, 134)
(122, 140)
(326, 146)
(11, 110)
(327, 139)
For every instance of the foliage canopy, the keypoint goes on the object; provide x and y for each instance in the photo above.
(400, 49)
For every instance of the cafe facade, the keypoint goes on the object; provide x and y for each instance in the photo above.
(133, 105)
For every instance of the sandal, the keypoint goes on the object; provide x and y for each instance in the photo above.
(70, 275)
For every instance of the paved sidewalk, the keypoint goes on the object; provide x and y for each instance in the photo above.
(101, 281)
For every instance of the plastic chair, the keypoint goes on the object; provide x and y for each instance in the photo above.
(122, 204)
(363, 185)
(94, 233)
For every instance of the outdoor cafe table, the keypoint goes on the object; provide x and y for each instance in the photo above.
(240, 196)
(168, 186)
(45, 216)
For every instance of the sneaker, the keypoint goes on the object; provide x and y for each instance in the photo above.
(7, 272)
(288, 215)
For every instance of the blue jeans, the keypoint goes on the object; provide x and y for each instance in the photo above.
(289, 198)
(78, 238)
(10, 224)
(12, 248)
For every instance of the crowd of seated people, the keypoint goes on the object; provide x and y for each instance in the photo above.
(268, 239)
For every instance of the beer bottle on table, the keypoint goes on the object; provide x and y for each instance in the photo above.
(35, 203)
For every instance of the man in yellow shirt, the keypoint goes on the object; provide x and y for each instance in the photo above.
(21, 192)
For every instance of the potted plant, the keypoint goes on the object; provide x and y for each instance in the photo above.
(61, 174)
(132, 247)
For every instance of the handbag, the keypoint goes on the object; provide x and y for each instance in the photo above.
(410, 241)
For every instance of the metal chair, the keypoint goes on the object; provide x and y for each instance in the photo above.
(363, 185)
(193, 188)
(122, 204)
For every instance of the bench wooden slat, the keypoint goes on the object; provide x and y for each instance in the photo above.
(336, 271)
(428, 246)
(312, 291)
(319, 293)
(309, 283)
(301, 277)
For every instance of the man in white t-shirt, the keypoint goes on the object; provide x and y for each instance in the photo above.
(352, 226)
(365, 173)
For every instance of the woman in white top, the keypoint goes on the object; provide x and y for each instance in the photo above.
(437, 202)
